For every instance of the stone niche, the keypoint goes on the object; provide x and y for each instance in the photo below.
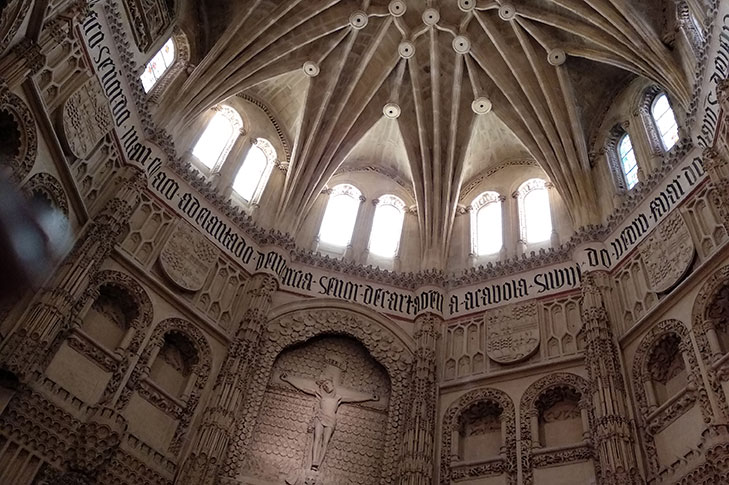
(283, 437)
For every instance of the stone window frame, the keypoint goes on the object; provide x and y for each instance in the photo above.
(399, 204)
(482, 200)
(344, 188)
(615, 166)
(645, 113)
(651, 417)
(525, 188)
(505, 464)
(271, 161)
(181, 63)
(236, 121)
(533, 455)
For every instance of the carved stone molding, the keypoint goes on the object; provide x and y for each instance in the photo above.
(506, 463)
(20, 138)
(50, 188)
(302, 325)
(11, 18)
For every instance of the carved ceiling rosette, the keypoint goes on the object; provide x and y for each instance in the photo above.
(512, 332)
(187, 257)
(668, 253)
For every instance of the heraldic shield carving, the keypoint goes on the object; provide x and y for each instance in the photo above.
(668, 253)
(187, 258)
(512, 332)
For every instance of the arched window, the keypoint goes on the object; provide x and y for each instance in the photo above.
(254, 171)
(218, 138)
(628, 162)
(387, 226)
(340, 216)
(535, 216)
(665, 121)
(158, 65)
(486, 224)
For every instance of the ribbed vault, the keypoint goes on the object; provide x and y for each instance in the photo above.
(434, 67)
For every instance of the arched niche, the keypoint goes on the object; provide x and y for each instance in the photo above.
(472, 420)
(46, 189)
(710, 322)
(296, 324)
(170, 375)
(668, 385)
(556, 426)
(18, 136)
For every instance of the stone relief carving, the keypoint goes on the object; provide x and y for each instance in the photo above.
(512, 332)
(11, 17)
(301, 326)
(330, 395)
(148, 19)
(668, 253)
(187, 257)
(48, 187)
(86, 119)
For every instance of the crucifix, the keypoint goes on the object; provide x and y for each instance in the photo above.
(330, 394)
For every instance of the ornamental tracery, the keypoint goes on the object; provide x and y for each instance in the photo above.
(666, 383)
(47, 187)
(556, 397)
(496, 403)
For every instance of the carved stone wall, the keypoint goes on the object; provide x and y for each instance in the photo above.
(300, 326)
(282, 439)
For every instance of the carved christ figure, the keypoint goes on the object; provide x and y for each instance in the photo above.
(330, 396)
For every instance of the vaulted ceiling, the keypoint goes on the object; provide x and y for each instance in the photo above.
(433, 91)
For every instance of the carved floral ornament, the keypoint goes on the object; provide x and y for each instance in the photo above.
(301, 325)
(20, 141)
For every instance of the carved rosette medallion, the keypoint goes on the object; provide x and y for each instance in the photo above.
(512, 332)
(86, 118)
(668, 253)
(187, 258)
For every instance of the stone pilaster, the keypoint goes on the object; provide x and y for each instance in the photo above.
(211, 442)
(54, 309)
(417, 451)
(613, 434)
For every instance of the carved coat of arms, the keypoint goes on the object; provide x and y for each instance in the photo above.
(86, 118)
(668, 253)
(187, 257)
(512, 332)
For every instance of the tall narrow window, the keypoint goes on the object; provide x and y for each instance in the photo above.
(387, 226)
(158, 65)
(218, 138)
(486, 224)
(254, 171)
(665, 121)
(534, 212)
(340, 216)
(628, 162)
